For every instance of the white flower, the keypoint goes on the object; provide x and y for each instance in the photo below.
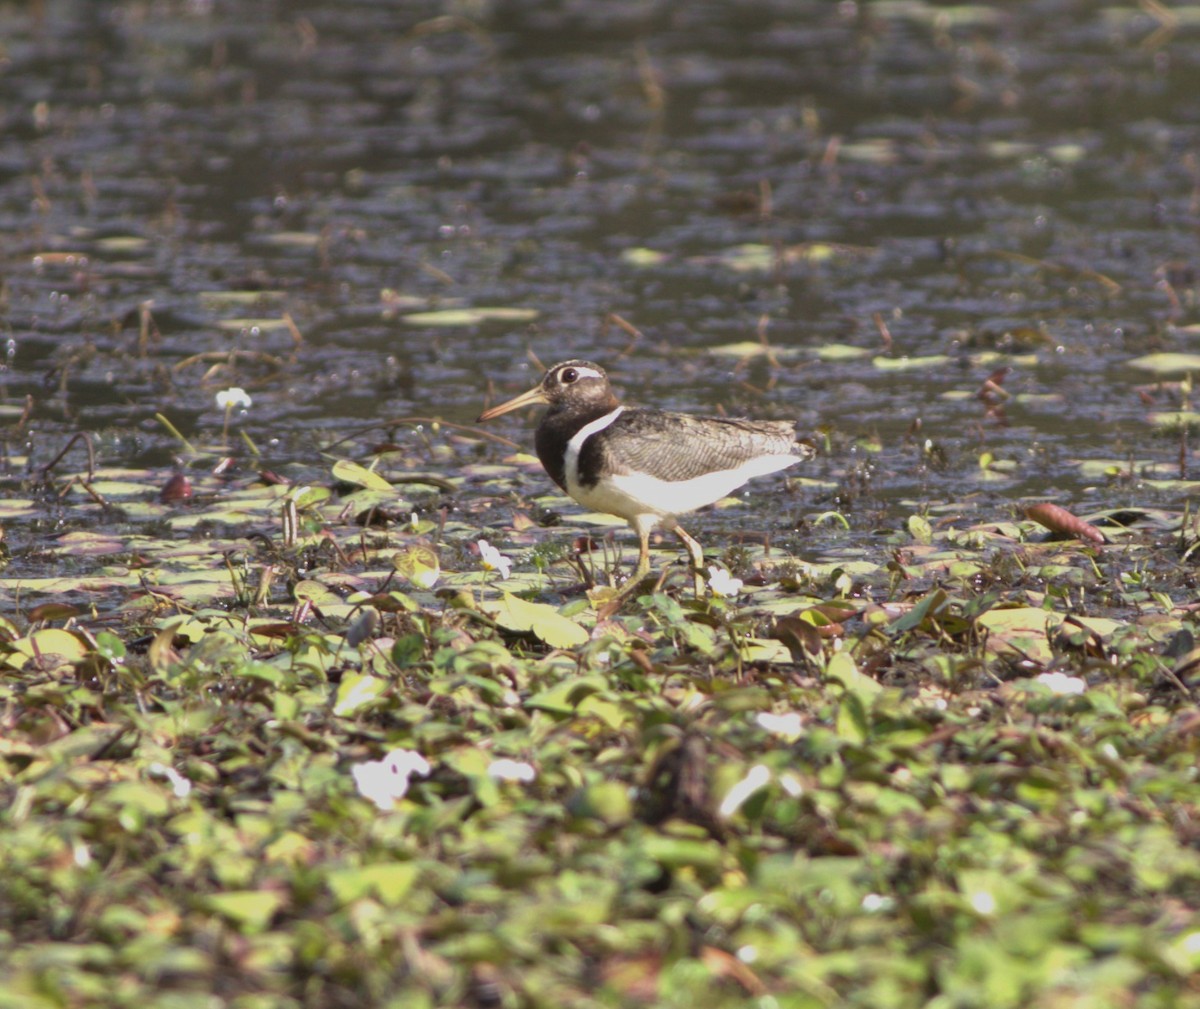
(1062, 684)
(179, 784)
(234, 396)
(757, 777)
(385, 782)
(722, 583)
(493, 559)
(874, 903)
(505, 769)
(982, 902)
(788, 726)
(791, 784)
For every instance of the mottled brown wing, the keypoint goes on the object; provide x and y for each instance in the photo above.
(675, 446)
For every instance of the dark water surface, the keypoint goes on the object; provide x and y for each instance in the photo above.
(1013, 185)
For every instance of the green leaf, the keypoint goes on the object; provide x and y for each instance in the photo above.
(388, 881)
(606, 801)
(852, 722)
(516, 614)
(352, 473)
(1166, 362)
(841, 669)
(1020, 629)
(251, 910)
(50, 641)
(420, 565)
(469, 316)
(678, 852)
(565, 698)
(840, 352)
(909, 363)
(927, 608)
(110, 646)
(356, 692)
(920, 529)
(642, 257)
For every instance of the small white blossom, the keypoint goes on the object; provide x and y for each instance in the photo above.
(874, 903)
(493, 559)
(757, 777)
(179, 784)
(722, 583)
(982, 902)
(233, 397)
(788, 726)
(385, 782)
(791, 784)
(1062, 684)
(505, 769)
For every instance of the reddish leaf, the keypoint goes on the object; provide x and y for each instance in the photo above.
(178, 488)
(1059, 520)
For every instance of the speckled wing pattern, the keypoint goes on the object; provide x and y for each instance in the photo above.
(677, 446)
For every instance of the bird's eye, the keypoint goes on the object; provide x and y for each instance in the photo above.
(568, 375)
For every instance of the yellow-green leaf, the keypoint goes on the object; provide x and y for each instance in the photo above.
(1020, 629)
(352, 473)
(419, 564)
(51, 641)
(355, 692)
(388, 881)
(1166, 362)
(545, 621)
(252, 910)
(841, 669)
(909, 363)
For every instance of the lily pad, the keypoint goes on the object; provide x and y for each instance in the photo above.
(469, 316)
(752, 348)
(840, 352)
(909, 363)
(1019, 629)
(1166, 362)
(216, 299)
(643, 257)
(50, 641)
(263, 325)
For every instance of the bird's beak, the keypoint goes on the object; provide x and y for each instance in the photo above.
(532, 397)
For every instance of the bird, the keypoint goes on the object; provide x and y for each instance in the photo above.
(645, 465)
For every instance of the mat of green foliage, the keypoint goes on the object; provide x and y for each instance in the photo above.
(959, 770)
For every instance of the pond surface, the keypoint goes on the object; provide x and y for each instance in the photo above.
(854, 214)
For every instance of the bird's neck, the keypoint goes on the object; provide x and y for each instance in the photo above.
(560, 424)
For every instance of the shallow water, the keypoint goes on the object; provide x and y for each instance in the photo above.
(940, 192)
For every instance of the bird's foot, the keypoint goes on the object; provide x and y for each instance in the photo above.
(638, 583)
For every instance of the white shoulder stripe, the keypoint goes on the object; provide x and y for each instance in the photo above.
(575, 446)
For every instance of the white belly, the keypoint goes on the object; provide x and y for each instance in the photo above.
(645, 500)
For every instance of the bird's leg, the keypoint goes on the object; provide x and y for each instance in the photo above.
(628, 589)
(697, 554)
(643, 564)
